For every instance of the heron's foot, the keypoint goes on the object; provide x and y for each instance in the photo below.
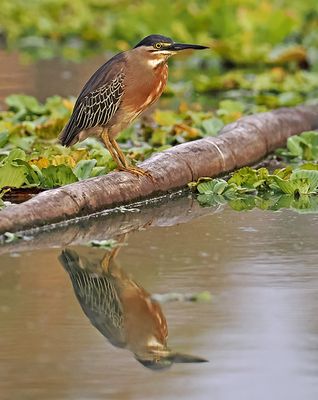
(135, 170)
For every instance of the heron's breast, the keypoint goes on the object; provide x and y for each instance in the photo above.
(145, 90)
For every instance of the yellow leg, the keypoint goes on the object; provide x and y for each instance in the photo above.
(119, 157)
(109, 259)
(105, 261)
(112, 151)
(125, 163)
(119, 152)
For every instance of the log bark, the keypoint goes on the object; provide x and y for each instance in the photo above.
(238, 144)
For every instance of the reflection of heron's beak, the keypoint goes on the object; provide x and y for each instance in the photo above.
(186, 358)
(168, 358)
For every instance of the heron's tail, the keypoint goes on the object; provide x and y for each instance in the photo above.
(68, 136)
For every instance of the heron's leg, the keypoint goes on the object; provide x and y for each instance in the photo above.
(110, 148)
(122, 238)
(105, 261)
(126, 166)
(119, 157)
(109, 260)
(120, 153)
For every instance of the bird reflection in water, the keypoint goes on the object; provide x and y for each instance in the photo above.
(121, 309)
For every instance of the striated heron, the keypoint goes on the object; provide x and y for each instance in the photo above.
(119, 91)
(121, 309)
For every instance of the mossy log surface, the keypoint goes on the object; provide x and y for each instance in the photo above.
(238, 144)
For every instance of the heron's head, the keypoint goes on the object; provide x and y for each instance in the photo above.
(164, 358)
(159, 48)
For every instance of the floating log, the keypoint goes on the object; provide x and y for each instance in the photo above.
(241, 143)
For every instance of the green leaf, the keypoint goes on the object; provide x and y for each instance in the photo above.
(159, 137)
(4, 136)
(304, 146)
(32, 178)
(214, 186)
(12, 175)
(98, 171)
(18, 102)
(59, 175)
(243, 204)
(300, 182)
(83, 169)
(284, 185)
(283, 201)
(212, 126)
(16, 154)
(55, 105)
(310, 166)
(294, 147)
(10, 237)
(220, 186)
(206, 187)
(289, 99)
(248, 177)
(308, 177)
(305, 204)
(166, 117)
(211, 199)
(227, 106)
(204, 296)
(105, 244)
(23, 142)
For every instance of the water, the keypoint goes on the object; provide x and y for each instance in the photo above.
(259, 331)
(45, 77)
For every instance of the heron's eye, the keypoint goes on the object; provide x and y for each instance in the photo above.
(158, 45)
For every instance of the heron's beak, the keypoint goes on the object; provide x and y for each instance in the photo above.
(186, 358)
(185, 46)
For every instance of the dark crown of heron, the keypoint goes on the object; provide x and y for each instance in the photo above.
(158, 44)
(155, 42)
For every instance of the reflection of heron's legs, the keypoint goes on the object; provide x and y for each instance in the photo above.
(108, 262)
(105, 261)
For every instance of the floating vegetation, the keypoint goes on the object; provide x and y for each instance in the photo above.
(200, 297)
(107, 244)
(302, 147)
(272, 31)
(31, 157)
(248, 188)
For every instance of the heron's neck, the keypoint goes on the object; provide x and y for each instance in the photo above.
(155, 62)
(140, 57)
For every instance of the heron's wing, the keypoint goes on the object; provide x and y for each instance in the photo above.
(98, 101)
(98, 298)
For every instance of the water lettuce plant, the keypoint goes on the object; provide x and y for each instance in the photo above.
(248, 188)
(302, 147)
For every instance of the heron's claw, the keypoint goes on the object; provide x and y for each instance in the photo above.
(136, 171)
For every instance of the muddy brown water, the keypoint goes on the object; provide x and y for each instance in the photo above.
(259, 332)
(45, 77)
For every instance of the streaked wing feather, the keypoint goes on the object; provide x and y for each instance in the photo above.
(98, 101)
(97, 296)
(99, 106)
